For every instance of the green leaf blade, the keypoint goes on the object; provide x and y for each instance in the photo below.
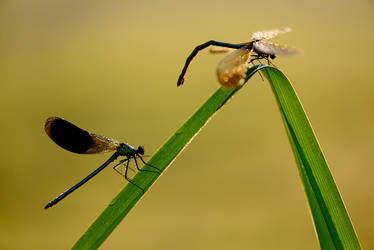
(333, 226)
(130, 195)
(331, 220)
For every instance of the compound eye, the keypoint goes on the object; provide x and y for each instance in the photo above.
(140, 150)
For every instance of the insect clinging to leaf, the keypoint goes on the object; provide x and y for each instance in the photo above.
(231, 69)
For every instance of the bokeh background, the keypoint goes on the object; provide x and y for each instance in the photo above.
(111, 68)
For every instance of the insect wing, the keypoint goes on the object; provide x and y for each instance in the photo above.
(220, 50)
(269, 48)
(74, 139)
(102, 144)
(231, 69)
(267, 34)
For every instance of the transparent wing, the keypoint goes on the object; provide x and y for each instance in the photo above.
(270, 48)
(267, 34)
(231, 69)
(102, 144)
(219, 50)
(222, 50)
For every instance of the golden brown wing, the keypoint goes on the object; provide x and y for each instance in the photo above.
(219, 50)
(231, 69)
(102, 144)
(267, 34)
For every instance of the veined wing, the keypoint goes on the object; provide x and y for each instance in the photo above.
(270, 48)
(74, 139)
(219, 50)
(231, 69)
(267, 34)
(102, 144)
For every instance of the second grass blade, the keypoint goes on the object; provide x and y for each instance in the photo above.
(332, 222)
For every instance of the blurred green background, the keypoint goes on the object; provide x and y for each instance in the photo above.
(111, 68)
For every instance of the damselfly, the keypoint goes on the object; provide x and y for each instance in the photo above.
(77, 140)
(231, 68)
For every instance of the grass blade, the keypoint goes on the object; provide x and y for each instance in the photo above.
(331, 220)
(130, 195)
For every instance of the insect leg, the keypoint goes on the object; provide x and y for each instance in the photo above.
(258, 71)
(120, 162)
(129, 179)
(201, 47)
(257, 57)
(271, 63)
(267, 59)
(149, 165)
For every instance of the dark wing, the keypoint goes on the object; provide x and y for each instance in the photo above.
(74, 139)
(269, 48)
(267, 34)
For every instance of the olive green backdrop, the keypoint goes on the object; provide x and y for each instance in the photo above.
(111, 67)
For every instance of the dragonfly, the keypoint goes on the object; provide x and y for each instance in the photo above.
(76, 140)
(231, 69)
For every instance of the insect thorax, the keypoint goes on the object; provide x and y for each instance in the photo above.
(126, 149)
